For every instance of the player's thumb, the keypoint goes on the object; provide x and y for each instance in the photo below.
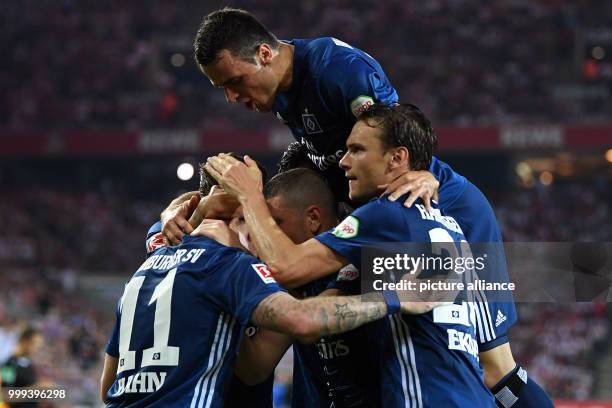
(192, 204)
(249, 162)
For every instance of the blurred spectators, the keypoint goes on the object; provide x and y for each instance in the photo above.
(114, 64)
(53, 240)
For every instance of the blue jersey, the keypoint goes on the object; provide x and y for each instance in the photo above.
(428, 360)
(332, 84)
(335, 370)
(180, 321)
(238, 394)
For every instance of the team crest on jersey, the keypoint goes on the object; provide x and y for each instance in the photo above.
(361, 104)
(348, 228)
(264, 273)
(348, 273)
(155, 242)
(311, 125)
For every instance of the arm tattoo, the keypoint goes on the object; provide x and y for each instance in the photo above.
(323, 316)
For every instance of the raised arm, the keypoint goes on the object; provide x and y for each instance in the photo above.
(293, 265)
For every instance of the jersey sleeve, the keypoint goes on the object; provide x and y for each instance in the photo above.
(242, 285)
(351, 82)
(112, 348)
(376, 222)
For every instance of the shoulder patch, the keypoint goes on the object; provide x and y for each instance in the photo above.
(348, 228)
(361, 104)
(155, 242)
(264, 273)
(348, 273)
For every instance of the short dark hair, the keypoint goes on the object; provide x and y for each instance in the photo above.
(404, 125)
(207, 181)
(28, 334)
(300, 188)
(294, 157)
(234, 30)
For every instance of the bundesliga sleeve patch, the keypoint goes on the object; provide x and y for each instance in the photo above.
(348, 228)
(264, 273)
(361, 104)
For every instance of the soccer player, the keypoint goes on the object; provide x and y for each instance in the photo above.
(181, 318)
(239, 394)
(332, 371)
(317, 88)
(420, 360)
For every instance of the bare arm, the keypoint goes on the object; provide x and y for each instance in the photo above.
(317, 317)
(108, 376)
(293, 265)
(259, 355)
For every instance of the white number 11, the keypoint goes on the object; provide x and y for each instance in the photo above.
(160, 354)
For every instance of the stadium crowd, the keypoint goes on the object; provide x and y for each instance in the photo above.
(129, 65)
(76, 329)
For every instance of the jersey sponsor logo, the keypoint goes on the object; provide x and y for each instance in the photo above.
(361, 104)
(155, 242)
(332, 349)
(264, 273)
(458, 340)
(311, 124)
(348, 228)
(500, 318)
(348, 273)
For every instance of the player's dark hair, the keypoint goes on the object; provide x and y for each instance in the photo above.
(207, 181)
(300, 188)
(28, 334)
(404, 125)
(295, 157)
(234, 30)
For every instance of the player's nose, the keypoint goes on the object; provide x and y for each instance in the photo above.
(344, 162)
(230, 96)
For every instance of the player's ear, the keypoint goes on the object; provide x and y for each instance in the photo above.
(264, 54)
(399, 157)
(313, 219)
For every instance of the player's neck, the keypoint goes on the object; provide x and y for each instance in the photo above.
(285, 59)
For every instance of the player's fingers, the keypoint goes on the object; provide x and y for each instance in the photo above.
(193, 202)
(216, 163)
(249, 162)
(400, 191)
(412, 198)
(426, 197)
(394, 185)
(173, 233)
(382, 186)
(184, 226)
(213, 172)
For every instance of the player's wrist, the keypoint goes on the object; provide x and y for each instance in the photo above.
(252, 199)
(392, 301)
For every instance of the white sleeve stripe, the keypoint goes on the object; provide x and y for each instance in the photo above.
(402, 360)
(412, 361)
